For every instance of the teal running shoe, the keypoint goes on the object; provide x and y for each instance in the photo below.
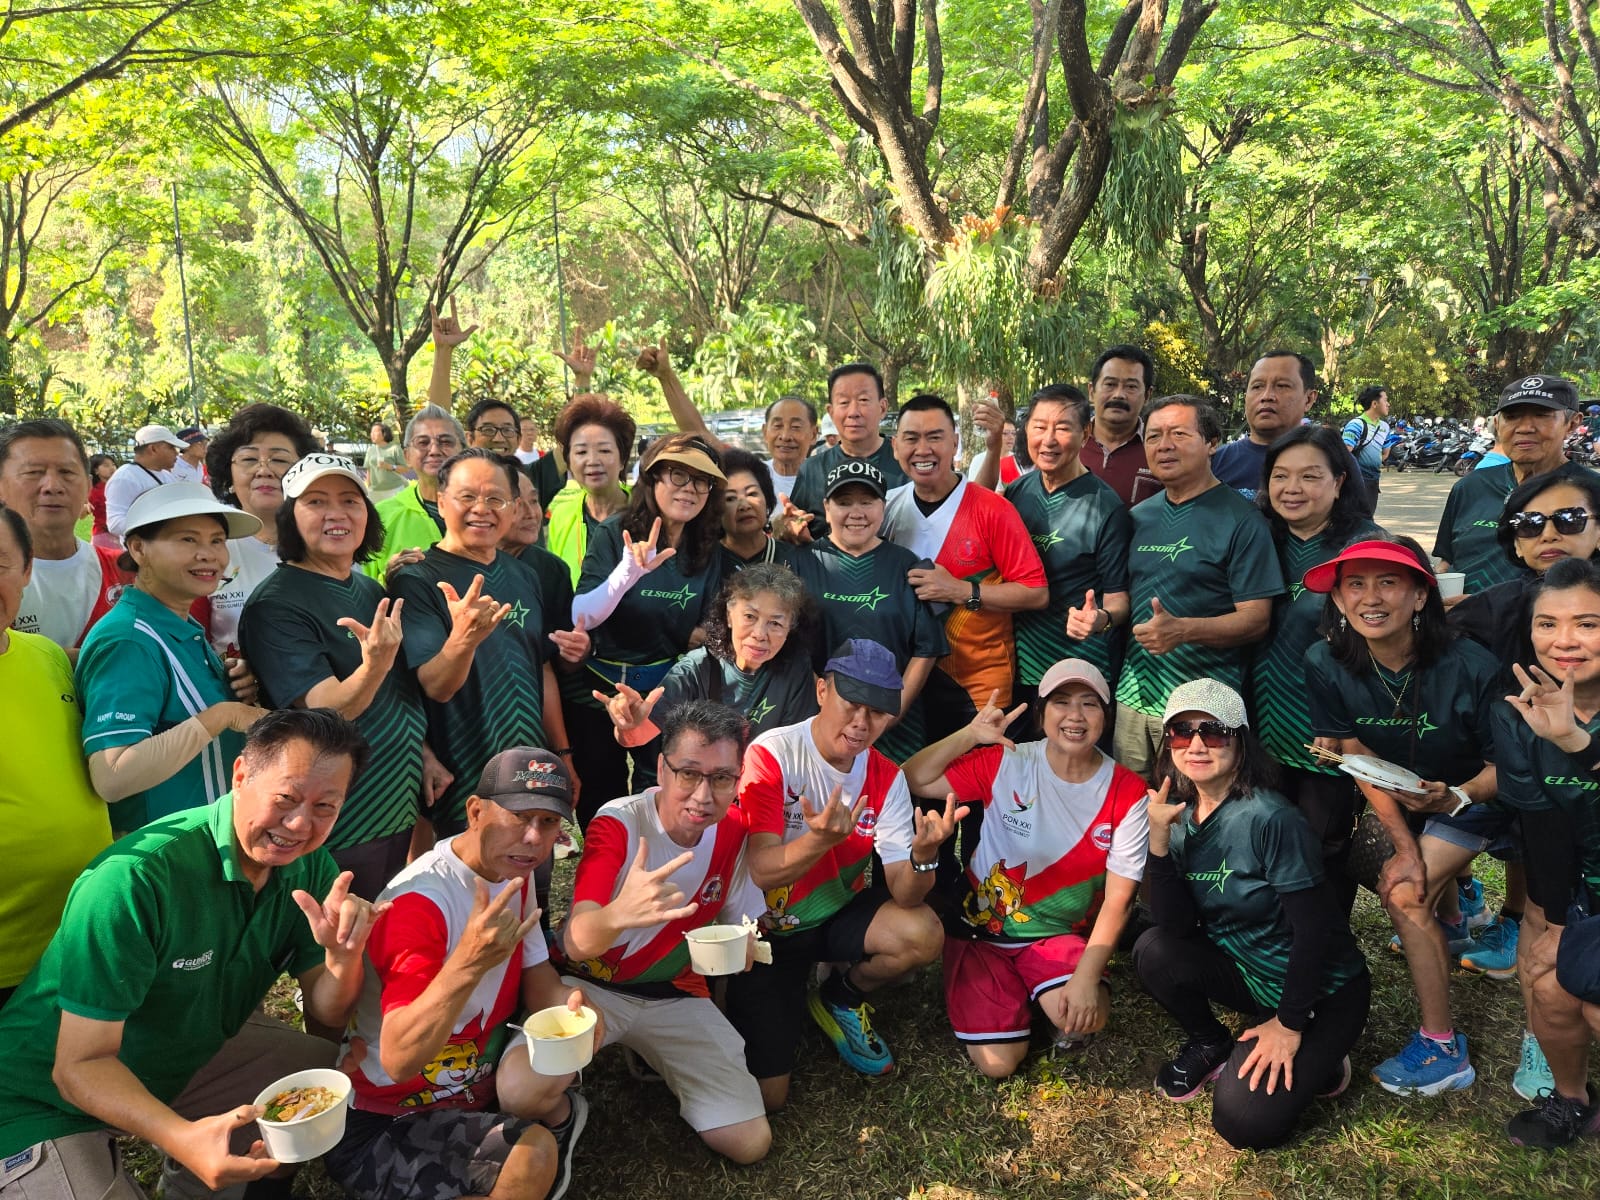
(850, 1030)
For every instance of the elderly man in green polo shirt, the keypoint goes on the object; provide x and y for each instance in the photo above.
(141, 1016)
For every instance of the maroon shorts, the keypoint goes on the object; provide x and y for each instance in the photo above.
(989, 988)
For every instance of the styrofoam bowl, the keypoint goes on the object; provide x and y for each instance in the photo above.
(301, 1141)
(1451, 583)
(717, 949)
(560, 1041)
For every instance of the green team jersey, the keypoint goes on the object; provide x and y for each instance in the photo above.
(501, 704)
(813, 477)
(1434, 721)
(1466, 537)
(1082, 533)
(778, 693)
(1251, 849)
(555, 588)
(1533, 774)
(655, 618)
(1201, 558)
(290, 634)
(1283, 717)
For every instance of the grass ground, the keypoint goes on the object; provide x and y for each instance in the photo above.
(1087, 1125)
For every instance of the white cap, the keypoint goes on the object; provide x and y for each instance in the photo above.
(169, 501)
(1074, 670)
(829, 429)
(314, 466)
(1210, 696)
(150, 435)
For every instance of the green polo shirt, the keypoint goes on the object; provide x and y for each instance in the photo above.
(1082, 533)
(1250, 849)
(1534, 774)
(1201, 558)
(291, 634)
(1283, 715)
(813, 478)
(655, 618)
(163, 933)
(407, 525)
(142, 670)
(501, 704)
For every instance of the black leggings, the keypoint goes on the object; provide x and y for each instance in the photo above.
(1330, 805)
(601, 764)
(1187, 974)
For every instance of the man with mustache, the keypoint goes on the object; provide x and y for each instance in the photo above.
(1119, 383)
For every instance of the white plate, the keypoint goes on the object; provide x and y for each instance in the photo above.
(1382, 773)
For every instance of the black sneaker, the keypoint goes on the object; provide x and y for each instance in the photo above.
(566, 1139)
(1557, 1121)
(1196, 1064)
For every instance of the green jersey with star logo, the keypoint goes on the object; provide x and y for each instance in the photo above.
(774, 694)
(291, 636)
(813, 477)
(1250, 849)
(1466, 538)
(655, 618)
(1534, 775)
(501, 704)
(1283, 716)
(1082, 533)
(1201, 558)
(1441, 730)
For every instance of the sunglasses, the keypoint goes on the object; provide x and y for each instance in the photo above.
(1566, 520)
(1212, 734)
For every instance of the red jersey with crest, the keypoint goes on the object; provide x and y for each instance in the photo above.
(716, 879)
(975, 535)
(1041, 862)
(784, 764)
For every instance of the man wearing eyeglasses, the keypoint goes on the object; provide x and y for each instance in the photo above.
(655, 866)
(820, 800)
(1532, 421)
(411, 519)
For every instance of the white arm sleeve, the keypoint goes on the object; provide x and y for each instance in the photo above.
(593, 607)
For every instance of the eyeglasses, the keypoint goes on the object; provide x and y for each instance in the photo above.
(503, 431)
(1212, 734)
(277, 462)
(493, 502)
(1566, 520)
(680, 478)
(444, 442)
(723, 783)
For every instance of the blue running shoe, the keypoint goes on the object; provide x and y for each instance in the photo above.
(1426, 1067)
(1533, 1078)
(1494, 952)
(850, 1030)
(1473, 909)
(1457, 938)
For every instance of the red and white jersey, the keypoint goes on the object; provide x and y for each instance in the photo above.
(433, 899)
(976, 536)
(1041, 862)
(716, 879)
(783, 765)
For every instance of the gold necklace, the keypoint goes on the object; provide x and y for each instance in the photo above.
(1405, 682)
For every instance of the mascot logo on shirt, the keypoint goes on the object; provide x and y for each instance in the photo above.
(711, 892)
(114, 592)
(999, 900)
(1100, 835)
(778, 918)
(450, 1075)
(866, 823)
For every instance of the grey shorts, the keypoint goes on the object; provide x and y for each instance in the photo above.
(436, 1154)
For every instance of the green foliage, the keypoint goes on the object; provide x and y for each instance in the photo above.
(1422, 378)
(756, 355)
(1180, 363)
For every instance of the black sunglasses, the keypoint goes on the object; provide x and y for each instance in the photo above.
(1531, 524)
(1212, 734)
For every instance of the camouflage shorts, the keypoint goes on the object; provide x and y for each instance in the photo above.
(436, 1154)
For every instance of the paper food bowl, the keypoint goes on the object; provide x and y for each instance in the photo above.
(301, 1141)
(560, 1041)
(1451, 583)
(717, 949)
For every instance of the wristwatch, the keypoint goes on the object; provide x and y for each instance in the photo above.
(974, 602)
(1465, 802)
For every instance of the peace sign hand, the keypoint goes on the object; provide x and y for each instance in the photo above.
(649, 898)
(933, 828)
(493, 930)
(627, 709)
(380, 641)
(989, 727)
(646, 557)
(834, 821)
(447, 331)
(474, 616)
(1084, 622)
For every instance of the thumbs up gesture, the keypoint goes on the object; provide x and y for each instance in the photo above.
(1085, 622)
(1162, 632)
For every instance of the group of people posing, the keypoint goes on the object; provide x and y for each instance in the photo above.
(888, 714)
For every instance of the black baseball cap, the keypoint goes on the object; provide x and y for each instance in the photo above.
(856, 470)
(523, 779)
(1542, 391)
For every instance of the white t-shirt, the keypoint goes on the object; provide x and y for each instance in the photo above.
(528, 457)
(127, 483)
(249, 562)
(782, 485)
(60, 596)
(183, 471)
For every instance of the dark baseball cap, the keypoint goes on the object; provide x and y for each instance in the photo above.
(1542, 391)
(193, 434)
(864, 672)
(523, 779)
(856, 470)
